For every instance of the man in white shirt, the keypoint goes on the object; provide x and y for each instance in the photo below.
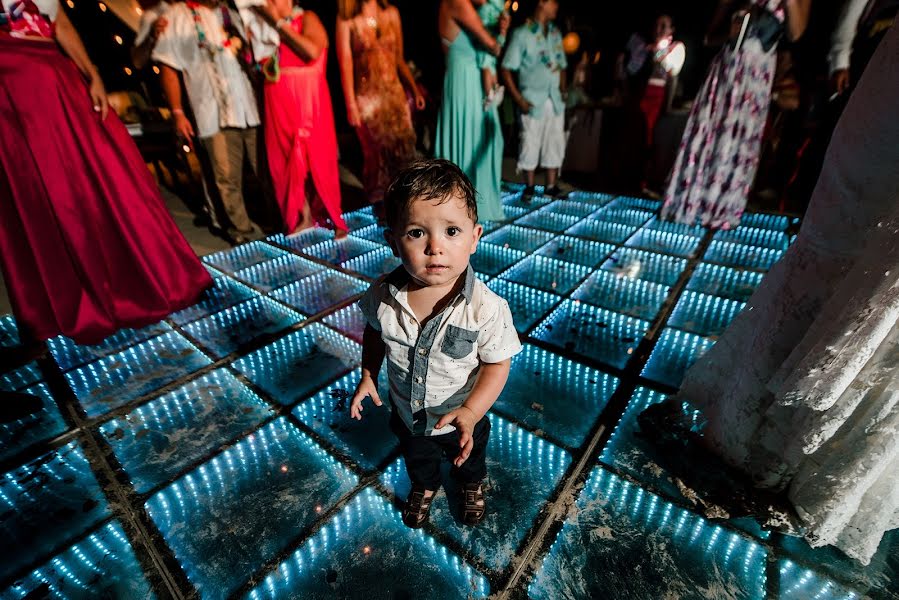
(861, 26)
(202, 41)
(152, 24)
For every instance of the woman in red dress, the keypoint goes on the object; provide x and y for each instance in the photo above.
(86, 243)
(299, 121)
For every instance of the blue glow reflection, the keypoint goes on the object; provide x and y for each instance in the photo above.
(306, 238)
(550, 221)
(625, 216)
(733, 284)
(755, 237)
(276, 273)
(602, 231)
(704, 315)
(518, 238)
(301, 362)
(119, 378)
(615, 291)
(375, 263)
(797, 583)
(366, 542)
(243, 256)
(47, 423)
(665, 242)
(339, 251)
(659, 268)
(631, 202)
(69, 355)
(24, 376)
(224, 293)
(575, 250)
(528, 305)
(319, 292)
(572, 208)
(765, 221)
(675, 352)
(492, 260)
(741, 255)
(218, 519)
(154, 442)
(547, 274)
(9, 332)
(101, 566)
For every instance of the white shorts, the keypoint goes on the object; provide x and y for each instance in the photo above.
(542, 140)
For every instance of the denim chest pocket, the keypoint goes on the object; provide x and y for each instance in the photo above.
(458, 342)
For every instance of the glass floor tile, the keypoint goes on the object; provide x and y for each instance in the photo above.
(513, 186)
(516, 237)
(44, 504)
(365, 544)
(602, 231)
(532, 203)
(522, 472)
(319, 292)
(117, 379)
(243, 256)
(575, 250)
(492, 260)
(624, 542)
(228, 502)
(338, 252)
(649, 266)
(724, 282)
(349, 321)
(704, 315)
(357, 219)
(299, 363)
(664, 242)
(675, 352)
(9, 332)
(368, 442)
(753, 236)
(234, 328)
(101, 566)
(213, 272)
(547, 274)
(597, 198)
(742, 255)
(69, 355)
(593, 332)
(765, 221)
(797, 583)
(657, 224)
(555, 395)
(156, 441)
(375, 263)
(273, 274)
(875, 580)
(528, 305)
(571, 207)
(224, 293)
(372, 233)
(543, 219)
(627, 202)
(22, 377)
(19, 435)
(625, 216)
(307, 238)
(614, 291)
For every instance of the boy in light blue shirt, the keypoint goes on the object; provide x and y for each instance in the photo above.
(535, 52)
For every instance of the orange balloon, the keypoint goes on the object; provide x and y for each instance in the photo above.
(571, 42)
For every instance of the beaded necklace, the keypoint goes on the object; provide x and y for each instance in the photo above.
(202, 41)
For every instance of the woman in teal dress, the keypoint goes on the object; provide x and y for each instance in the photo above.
(468, 133)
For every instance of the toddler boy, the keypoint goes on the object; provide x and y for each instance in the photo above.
(447, 338)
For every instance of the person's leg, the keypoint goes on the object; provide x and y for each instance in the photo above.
(552, 147)
(225, 150)
(529, 150)
(422, 457)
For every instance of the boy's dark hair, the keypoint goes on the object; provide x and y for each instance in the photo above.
(430, 179)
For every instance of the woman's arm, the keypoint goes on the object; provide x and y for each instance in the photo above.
(797, 17)
(307, 44)
(401, 66)
(345, 60)
(464, 13)
(71, 44)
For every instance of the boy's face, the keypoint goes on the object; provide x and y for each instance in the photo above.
(435, 240)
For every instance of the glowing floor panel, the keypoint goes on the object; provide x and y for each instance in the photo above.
(212, 454)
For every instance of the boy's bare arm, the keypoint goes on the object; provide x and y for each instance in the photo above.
(486, 390)
(373, 351)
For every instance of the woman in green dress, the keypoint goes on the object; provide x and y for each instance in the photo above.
(468, 133)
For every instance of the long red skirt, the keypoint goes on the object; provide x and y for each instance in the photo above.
(86, 243)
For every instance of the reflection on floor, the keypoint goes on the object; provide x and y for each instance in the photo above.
(212, 454)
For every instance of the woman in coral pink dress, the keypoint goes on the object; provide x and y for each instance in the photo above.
(299, 122)
(86, 243)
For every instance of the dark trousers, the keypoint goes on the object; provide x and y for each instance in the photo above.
(424, 453)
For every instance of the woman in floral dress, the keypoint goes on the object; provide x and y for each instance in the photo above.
(719, 153)
(370, 52)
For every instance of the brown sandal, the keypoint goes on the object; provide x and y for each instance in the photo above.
(474, 503)
(417, 508)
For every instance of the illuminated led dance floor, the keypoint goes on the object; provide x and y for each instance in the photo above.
(212, 454)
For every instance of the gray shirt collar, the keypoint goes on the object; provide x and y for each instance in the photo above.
(399, 278)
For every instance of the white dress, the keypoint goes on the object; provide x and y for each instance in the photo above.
(802, 390)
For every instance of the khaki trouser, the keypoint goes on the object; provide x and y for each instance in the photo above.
(226, 152)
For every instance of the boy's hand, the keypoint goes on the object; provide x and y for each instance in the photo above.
(366, 387)
(464, 420)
